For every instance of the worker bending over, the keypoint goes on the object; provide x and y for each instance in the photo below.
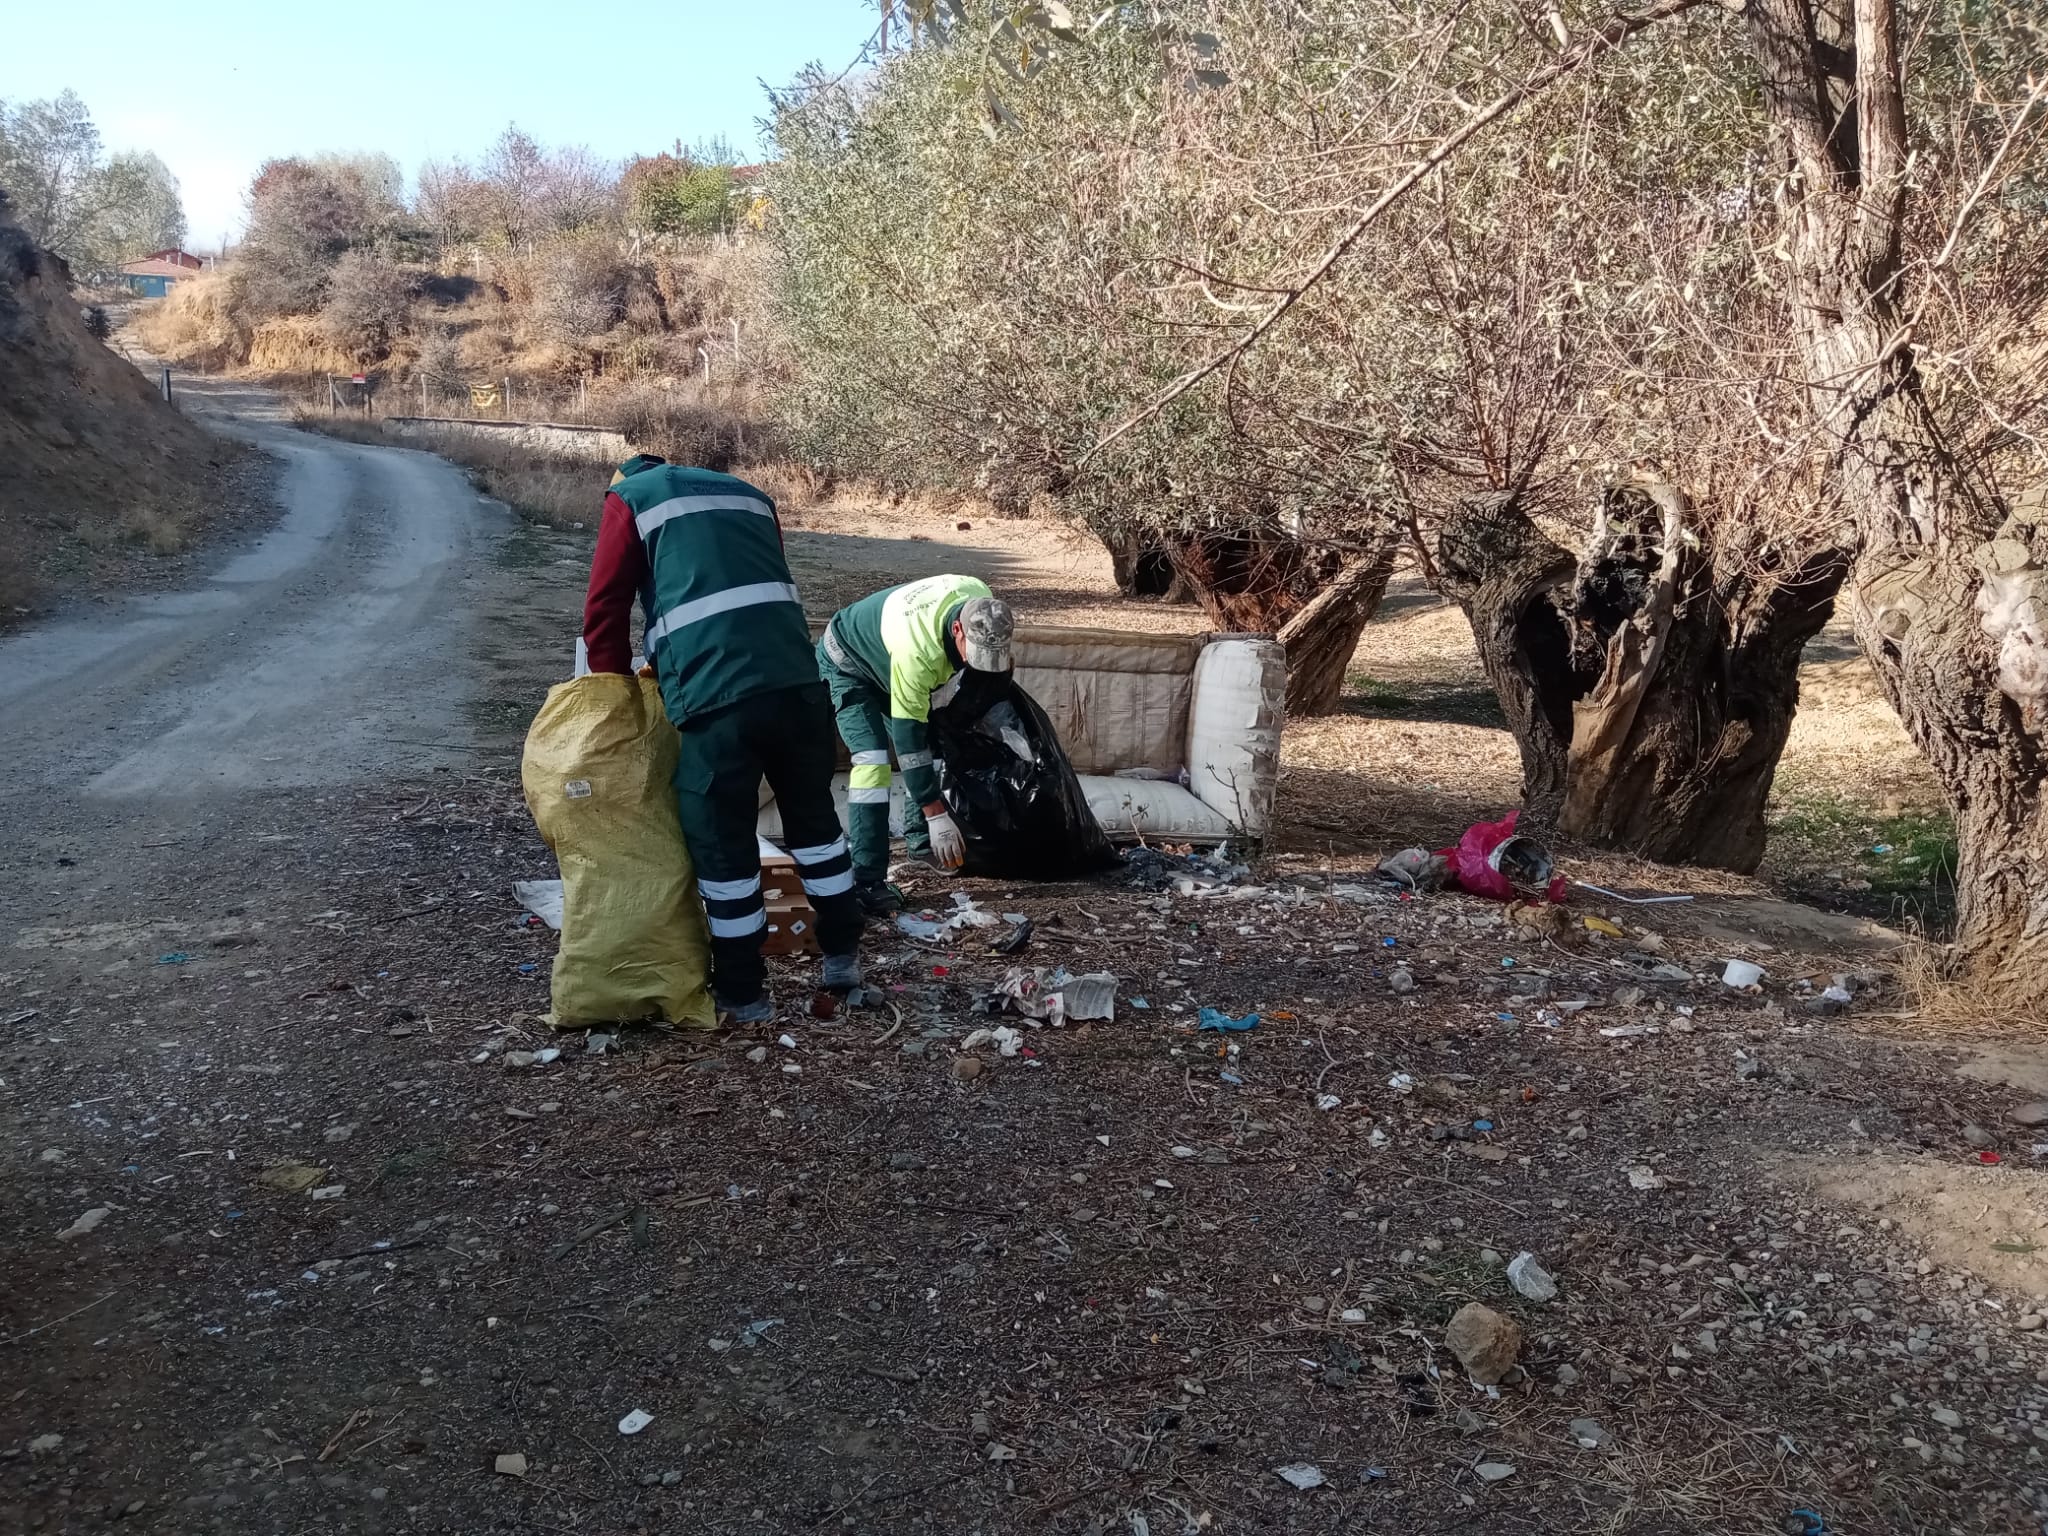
(727, 637)
(895, 657)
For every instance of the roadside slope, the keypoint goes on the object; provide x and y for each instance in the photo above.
(93, 463)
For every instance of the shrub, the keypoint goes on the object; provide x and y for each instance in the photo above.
(368, 303)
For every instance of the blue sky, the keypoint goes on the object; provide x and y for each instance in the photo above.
(218, 87)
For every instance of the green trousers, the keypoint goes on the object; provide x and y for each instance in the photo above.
(785, 737)
(861, 711)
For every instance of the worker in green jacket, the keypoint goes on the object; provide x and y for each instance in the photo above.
(726, 633)
(889, 661)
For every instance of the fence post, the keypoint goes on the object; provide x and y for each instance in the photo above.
(508, 399)
(167, 384)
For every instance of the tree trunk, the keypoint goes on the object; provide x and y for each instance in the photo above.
(1650, 703)
(1683, 776)
(1250, 583)
(1143, 567)
(1322, 637)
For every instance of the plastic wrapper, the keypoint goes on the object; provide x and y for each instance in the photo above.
(1009, 784)
(1491, 859)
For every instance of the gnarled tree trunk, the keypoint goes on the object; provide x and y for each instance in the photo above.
(1321, 638)
(1651, 700)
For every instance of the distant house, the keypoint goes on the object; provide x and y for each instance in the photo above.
(155, 274)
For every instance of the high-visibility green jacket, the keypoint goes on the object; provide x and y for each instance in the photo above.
(703, 552)
(898, 640)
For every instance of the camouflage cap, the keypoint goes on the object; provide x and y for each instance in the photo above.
(986, 626)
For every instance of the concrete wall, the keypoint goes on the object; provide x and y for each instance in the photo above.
(600, 445)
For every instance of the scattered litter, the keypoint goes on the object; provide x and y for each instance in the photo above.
(1217, 1019)
(543, 898)
(1630, 1031)
(85, 1223)
(1302, 1476)
(921, 927)
(1013, 941)
(1400, 979)
(1494, 1471)
(1596, 924)
(1530, 1278)
(1414, 869)
(512, 1465)
(1642, 1176)
(294, 1178)
(175, 957)
(1402, 1083)
(596, 1043)
(1007, 1041)
(635, 1421)
(330, 1192)
(1837, 994)
(967, 915)
(1805, 1522)
(1492, 859)
(787, 1042)
(1482, 1126)
(1633, 901)
(1055, 996)
(1000, 1452)
(1328, 1101)
(758, 1055)
(1741, 974)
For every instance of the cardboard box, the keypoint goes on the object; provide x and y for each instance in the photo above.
(792, 924)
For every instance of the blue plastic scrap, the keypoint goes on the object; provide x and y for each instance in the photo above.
(1216, 1018)
(1805, 1522)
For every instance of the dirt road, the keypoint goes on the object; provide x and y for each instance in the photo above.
(329, 652)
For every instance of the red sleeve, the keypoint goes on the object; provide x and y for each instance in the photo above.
(616, 572)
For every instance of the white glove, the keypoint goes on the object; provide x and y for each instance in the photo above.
(949, 847)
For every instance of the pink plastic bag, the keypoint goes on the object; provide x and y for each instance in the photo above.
(1475, 863)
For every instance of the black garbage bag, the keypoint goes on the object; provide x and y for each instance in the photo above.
(1008, 783)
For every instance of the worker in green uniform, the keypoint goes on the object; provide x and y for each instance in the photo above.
(889, 661)
(702, 551)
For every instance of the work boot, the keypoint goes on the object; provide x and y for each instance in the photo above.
(738, 1015)
(878, 898)
(841, 973)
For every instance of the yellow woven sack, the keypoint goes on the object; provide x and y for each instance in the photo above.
(596, 773)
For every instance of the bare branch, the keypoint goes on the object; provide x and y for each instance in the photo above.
(1601, 41)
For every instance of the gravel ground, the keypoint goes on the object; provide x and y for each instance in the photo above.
(861, 1284)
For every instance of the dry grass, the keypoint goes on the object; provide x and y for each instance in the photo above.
(296, 344)
(194, 326)
(562, 493)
